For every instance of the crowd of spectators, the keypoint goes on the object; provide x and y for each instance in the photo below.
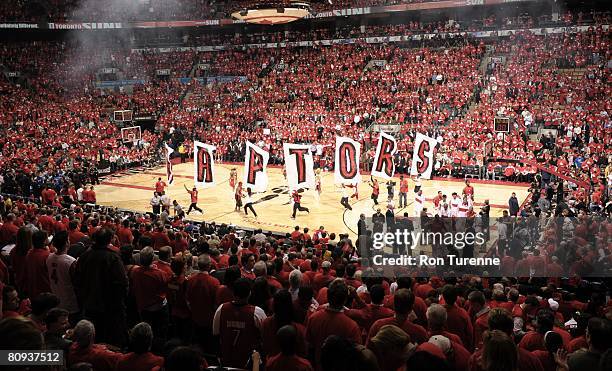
(286, 97)
(81, 275)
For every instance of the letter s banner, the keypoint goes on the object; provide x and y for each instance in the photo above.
(423, 157)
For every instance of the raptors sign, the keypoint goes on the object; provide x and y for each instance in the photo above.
(383, 165)
(204, 165)
(423, 157)
(346, 168)
(299, 166)
(255, 164)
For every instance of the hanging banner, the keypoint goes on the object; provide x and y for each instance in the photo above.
(423, 157)
(299, 165)
(383, 165)
(169, 173)
(346, 168)
(255, 164)
(204, 165)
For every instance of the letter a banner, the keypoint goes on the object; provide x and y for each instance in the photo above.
(169, 173)
(299, 165)
(423, 156)
(346, 168)
(204, 165)
(383, 165)
(255, 164)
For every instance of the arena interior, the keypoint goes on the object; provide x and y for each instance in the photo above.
(252, 185)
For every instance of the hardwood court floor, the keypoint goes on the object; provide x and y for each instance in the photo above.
(273, 207)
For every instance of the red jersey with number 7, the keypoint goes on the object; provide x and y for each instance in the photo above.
(238, 332)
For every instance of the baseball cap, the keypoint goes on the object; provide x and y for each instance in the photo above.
(441, 342)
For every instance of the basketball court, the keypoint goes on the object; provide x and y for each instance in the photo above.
(134, 191)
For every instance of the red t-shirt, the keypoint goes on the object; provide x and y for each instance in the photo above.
(8, 232)
(468, 190)
(546, 359)
(321, 280)
(461, 356)
(480, 326)
(149, 285)
(160, 239)
(36, 273)
(159, 186)
(365, 317)
(201, 291)
(177, 287)
(458, 322)
(97, 355)
(419, 307)
(282, 363)
(164, 267)
(578, 343)
(46, 222)
(327, 322)
(532, 340)
(526, 361)
(194, 196)
(295, 235)
(223, 295)
(422, 290)
(125, 236)
(75, 236)
(271, 347)
(139, 362)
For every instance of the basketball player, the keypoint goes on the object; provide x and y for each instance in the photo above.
(233, 176)
(437, 200)
(238, 196)
(248, 203)
(462, 213)
(345, 197)
(419, 203)
(454, 205)
(375, 190)
(194, 200)
(297, 197)
(468, 190)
